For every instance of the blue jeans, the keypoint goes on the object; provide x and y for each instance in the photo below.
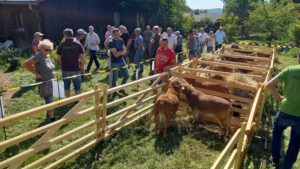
(283, 121)
(124, 71)
(76, 81)
(139, 57)
(93, 57)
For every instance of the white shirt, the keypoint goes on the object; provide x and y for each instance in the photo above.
(172, 41)
(92, 41)
(220, 36)
(202, 37)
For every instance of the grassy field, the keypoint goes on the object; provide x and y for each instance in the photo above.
(135, 146)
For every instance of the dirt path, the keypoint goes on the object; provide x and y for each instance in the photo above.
(5, 82)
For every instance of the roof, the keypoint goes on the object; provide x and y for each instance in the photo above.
(19, 2)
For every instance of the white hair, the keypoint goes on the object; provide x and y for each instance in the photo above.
(45, 43)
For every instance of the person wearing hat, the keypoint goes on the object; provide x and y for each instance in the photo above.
(38, 36)
(80, 35)
(139, 51)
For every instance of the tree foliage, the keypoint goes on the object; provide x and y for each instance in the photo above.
(230, 22)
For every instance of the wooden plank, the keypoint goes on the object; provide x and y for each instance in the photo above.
(116, 102)
(40, 130)
(238, 162)
(142, 97)
(232, 142)
(245, 57)
(60, 138)
(253, 110)
(255, 77)
(221, 82)
(231, 160)
(136, 82)
(41, 143)
(43, 108)
(228, 96)
(230, 65)
(104, 110)
(245, 64)
(119, 112)
(98, 108)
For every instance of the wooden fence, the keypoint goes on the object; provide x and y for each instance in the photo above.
(104, 125)
(234, 153)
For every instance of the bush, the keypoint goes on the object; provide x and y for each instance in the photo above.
(11, 56)
(295, 32)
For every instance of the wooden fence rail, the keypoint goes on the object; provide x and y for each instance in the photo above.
(96, 130)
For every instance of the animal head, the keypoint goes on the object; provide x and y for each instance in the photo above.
(175, 84)
(185, 88)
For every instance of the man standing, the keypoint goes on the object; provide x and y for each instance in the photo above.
(178, 48)
(191, 44)
(220, 36)
(92, 42)
(71, 58)
(38, 36)
(203, 37)
(139, 51)
(80, 35)
(172, 39)
(147, 34)
(154, 45)
(288, 114)
(165, 58)
(118, 50)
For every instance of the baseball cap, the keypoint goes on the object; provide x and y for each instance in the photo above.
(80, 32)
(37, 34)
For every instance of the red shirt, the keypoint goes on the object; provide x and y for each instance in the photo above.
(165, 57)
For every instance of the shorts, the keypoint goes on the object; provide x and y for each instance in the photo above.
(76, 80)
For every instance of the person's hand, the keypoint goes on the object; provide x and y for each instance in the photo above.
(38, 76)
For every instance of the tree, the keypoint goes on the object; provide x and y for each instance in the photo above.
(272, 19)
(230, 23)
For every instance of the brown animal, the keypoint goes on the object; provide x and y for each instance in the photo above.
(166, 106)
(207, 85)
(212, 106)
(216, 77)
(223, 69)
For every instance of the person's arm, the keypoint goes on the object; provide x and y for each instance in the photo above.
(106, 43)
(271, 86)
(115, 52)
(175, 43)
(123, 52)
(35, 49)
(29, 65)
(98, 39)
(173, 64)
(82, 62)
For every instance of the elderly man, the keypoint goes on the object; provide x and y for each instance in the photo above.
(154, 45)
(178, 48)
(203, 37)
(147, 34)
(92, 42)
(139, 51)
(220, 36)
(172, 39)
(80, 35)
(288, 114)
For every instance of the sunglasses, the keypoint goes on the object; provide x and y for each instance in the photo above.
(48, 50)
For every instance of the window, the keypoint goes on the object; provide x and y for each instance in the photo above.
(18, 19)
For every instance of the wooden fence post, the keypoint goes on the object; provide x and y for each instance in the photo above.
(238, 160)
(98, 109)
(104, 110)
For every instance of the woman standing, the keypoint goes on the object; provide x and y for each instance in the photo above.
(211, 42)
(41, 66)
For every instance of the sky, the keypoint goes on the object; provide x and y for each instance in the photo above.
(204, 4)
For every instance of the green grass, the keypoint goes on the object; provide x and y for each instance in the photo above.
(135, 146)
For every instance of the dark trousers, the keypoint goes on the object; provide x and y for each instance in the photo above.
(218, 46)
(282, 122)
(93, 57)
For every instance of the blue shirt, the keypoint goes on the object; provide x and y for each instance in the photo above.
(138, 41)
(118, 44)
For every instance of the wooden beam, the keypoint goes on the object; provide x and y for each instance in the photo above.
(43, 108)
(255, 77)
(245, 57)
(231, 160)
(238, 162)
(136, 82)
(221, 82)
(232, 142)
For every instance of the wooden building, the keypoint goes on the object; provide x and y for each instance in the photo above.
(19, 19)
